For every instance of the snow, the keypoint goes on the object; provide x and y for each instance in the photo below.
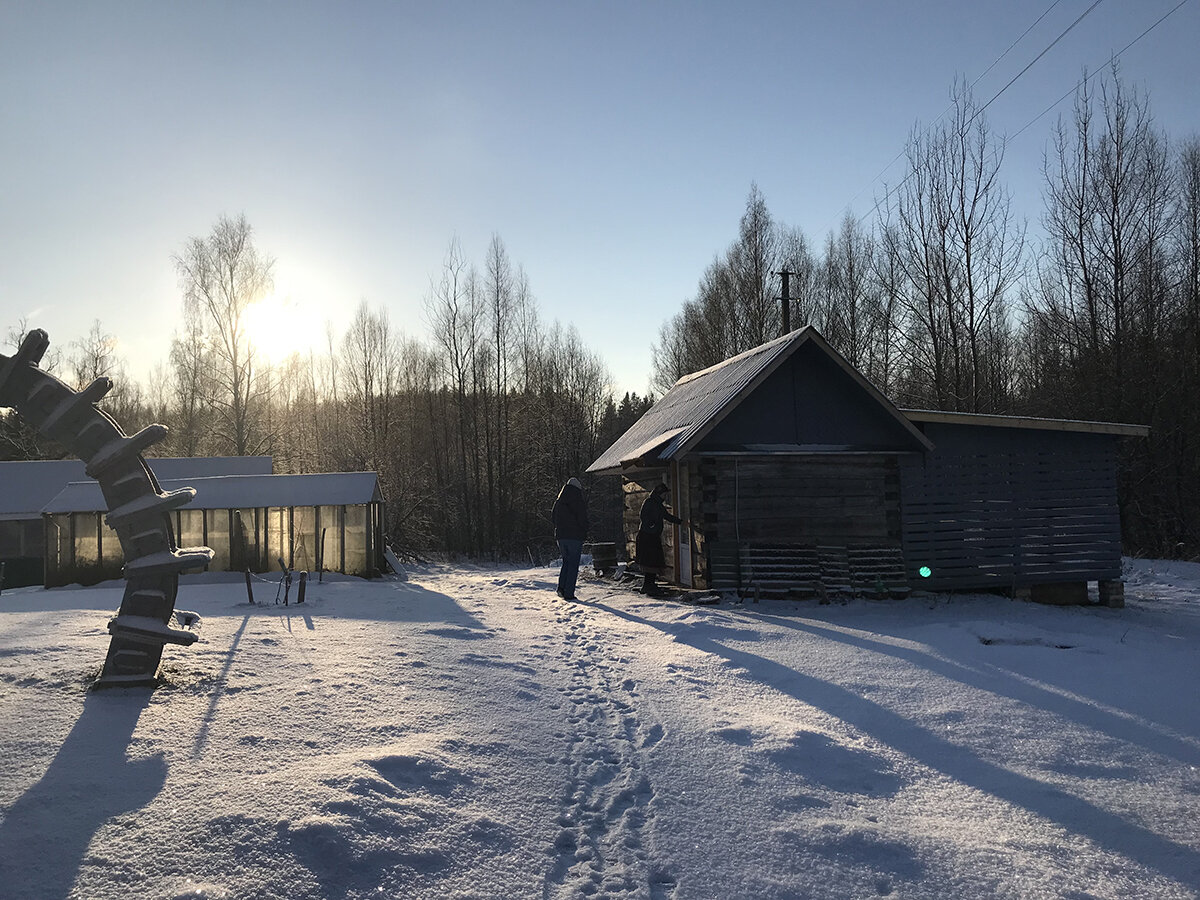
(238, 491)
(466, 734)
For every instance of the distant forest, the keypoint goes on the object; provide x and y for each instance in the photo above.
(938, 296)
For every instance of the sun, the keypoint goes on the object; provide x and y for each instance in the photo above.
(278, 327)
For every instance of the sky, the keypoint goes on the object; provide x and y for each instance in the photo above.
(465, 734)
(611, 146)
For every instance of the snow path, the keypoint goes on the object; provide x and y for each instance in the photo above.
(467, 735)
(600, 846)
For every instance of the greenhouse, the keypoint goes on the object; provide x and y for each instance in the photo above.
(316, 523)
(26, 486)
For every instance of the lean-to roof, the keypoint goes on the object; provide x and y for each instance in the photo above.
(982, 419)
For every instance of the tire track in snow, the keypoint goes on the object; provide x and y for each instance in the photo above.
(600, 847)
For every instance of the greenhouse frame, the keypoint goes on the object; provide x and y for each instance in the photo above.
(328, 522)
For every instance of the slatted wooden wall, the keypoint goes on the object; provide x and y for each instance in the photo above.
(1003, 507)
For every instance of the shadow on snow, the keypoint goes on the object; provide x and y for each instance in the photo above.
(1078, 816)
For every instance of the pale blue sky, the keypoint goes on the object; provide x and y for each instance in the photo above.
(611, 145)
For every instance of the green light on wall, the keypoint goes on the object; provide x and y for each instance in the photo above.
(924, 571)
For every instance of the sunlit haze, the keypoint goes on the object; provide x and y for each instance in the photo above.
(279, 325)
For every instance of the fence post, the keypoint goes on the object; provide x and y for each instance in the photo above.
(321, 558)
(249, 589)
(300, 589)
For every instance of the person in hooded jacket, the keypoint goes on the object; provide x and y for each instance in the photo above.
(570, 529)
(649, 537)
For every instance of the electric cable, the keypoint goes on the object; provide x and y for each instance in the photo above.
(1083, 15)
(1096, 71)
(979, 78)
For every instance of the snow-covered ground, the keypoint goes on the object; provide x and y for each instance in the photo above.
(467, 734)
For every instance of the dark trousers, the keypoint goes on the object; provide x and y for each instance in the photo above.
(569, 573)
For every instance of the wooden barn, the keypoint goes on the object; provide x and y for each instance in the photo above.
(794, 475)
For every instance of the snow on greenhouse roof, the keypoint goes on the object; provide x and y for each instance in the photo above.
(25, 487)
(241, 492)
(28, 485)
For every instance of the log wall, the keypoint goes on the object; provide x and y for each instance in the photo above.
(768, 518)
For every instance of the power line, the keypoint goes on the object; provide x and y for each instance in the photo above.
(1049, 9)
(1096, 71)
(1068, 29)
(1083, 15)
(979, 78)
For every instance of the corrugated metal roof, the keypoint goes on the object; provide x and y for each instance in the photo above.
(696, 402)
(25, 487)
(241, 492)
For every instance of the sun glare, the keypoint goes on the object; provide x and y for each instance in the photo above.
(278, 328)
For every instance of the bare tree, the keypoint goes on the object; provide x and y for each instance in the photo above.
(737, 306)
(92, 356)
(753, 262)
(95, 356)
(221, 276)
(853, 296)
(960, 251)
(369, 361)
(455, 311)
(501, 285)
(1108, 194)
(1187, 246)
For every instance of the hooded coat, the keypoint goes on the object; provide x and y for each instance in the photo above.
(570, 514)
(648, 547)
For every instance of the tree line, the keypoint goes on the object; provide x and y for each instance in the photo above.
(938, 296)
(472, 431)
(943, 301)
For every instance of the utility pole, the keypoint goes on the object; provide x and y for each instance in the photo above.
(787, 299)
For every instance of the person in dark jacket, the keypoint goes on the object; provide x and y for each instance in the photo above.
(649, 549)
(570, 528)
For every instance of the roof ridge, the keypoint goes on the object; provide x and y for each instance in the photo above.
(746, 354)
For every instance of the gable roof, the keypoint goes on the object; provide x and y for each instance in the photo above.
(699, 402)
(241, 492)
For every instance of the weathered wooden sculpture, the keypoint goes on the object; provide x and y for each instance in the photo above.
(138, 510)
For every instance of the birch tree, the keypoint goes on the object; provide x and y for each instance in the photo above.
(221, 275)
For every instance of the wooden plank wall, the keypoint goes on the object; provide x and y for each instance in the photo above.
(990, 510)
(800, 499)
(751, 506)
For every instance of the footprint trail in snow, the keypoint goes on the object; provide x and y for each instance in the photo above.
(607, 804)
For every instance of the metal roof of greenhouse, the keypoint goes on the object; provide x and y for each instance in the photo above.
(241, 492)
